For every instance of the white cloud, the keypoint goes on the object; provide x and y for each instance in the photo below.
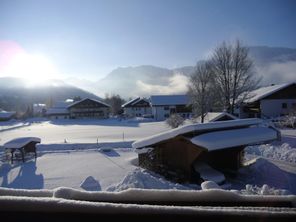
(177, 84)
(278, 72)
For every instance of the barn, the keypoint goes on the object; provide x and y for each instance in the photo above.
(199, 150)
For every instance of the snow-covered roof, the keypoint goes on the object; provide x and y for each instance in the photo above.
(146, 142)
(6, 114)
(263, 92)
(21, 142)
(62, 104)
(52, 111)
(233, 138)
(97, 101)
(130, 102)
(134, 102)
(162, 100)
(213, 116)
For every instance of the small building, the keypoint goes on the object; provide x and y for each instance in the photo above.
(268, 102)
(7, 115)
(59, 110)
(216, 116)
(214, 146)
(165, 105)
(23, 145)
(137, 107)
(89, 108)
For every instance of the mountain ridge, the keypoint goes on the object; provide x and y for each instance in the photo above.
(16, 95)
(275, 65)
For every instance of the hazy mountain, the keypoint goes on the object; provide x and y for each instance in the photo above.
(274, 64)
(264, 55)
(16, 95)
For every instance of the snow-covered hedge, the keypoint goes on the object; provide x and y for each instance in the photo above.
(264, 190)
(282, 152)
(144, 179)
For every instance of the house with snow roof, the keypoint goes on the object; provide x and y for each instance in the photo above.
(200, 152)
(89, 108)
(85, 108)
(165, 105)
(7, 115)
(137, 107)
(216, 116)
(268, 102)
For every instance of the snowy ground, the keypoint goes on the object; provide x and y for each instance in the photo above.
(70, 164)
(12, 124)
(68, 168)
(85, 131)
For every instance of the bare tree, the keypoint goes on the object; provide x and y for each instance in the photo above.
(115, 101)
(291, 118)
(201, 89)
(234, 72)
(175, 120)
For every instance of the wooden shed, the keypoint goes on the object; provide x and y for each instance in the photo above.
(217, 145)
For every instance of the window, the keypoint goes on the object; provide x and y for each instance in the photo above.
(166, 108)
(284, 105)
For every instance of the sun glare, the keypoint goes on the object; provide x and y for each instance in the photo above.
(35, 69)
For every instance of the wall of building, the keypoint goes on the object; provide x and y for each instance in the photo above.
(176, 155)
(78, 113)
(137, 111)
(53, 117)
(161, 113)
(274, 107)
(230, 158)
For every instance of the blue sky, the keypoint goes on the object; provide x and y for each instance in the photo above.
(89, 38)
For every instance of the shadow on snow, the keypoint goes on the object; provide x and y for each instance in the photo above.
(25, 179)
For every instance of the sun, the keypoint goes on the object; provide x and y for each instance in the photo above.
(34, 68)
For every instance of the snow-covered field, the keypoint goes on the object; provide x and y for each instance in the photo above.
(68, 169)
(12, 124)
(85, 131)
(70, 156)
